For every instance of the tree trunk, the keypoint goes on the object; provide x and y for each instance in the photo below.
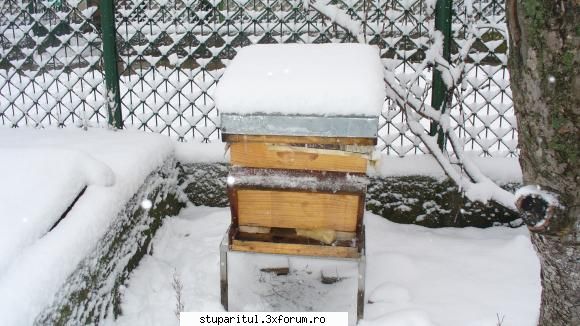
(545, 82)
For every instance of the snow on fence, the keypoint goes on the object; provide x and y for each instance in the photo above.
(171, 54)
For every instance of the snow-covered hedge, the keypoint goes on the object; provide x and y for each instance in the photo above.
(94, 291)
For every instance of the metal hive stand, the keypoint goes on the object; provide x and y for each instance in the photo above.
(225, 248)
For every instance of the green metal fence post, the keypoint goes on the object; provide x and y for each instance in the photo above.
(439, 93)
(110, 62)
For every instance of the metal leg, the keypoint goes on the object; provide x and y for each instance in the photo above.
(360, 305)
(224, 248)
(362, 265)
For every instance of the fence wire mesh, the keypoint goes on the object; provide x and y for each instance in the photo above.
(485, 115)
(172, 53)
(50, 64)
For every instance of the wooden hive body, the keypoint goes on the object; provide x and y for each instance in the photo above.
(293, 195)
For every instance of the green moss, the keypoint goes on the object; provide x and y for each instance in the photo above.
(432, 203)
(557, 120)
(568, 60)
(534, 10)
(64, 314)
(562, 143)
(538, 15)
(566, 148)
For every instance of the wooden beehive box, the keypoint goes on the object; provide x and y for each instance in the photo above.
(300, 122)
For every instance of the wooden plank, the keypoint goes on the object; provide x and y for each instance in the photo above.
(234, 138)
(294, 249)
(261, 155)
(233, 198)
(325, 236)
(254, 229)
(283, 235)
(278, 271)
(302, 210)
(361, 213)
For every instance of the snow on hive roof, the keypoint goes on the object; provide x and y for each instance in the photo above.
(303, 79)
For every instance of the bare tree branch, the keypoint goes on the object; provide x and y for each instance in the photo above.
(477, 186)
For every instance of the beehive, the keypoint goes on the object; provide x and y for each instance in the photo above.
(300, 122)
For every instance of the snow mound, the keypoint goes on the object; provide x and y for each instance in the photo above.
(389, 292)
(411, 317)
(307, 79)
(37, 186)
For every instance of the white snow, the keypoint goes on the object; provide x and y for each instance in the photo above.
(201, 152)
(340, 17)
(37, 265)
(146, 204)
(502, 170)
(548, 196)
(50, 178)
(41, 173)
(311, 79)
(415, 276)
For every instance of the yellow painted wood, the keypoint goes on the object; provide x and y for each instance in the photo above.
(262, 155)
(301, 210)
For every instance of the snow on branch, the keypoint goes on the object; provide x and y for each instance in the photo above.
(338, 16)
(477, 186)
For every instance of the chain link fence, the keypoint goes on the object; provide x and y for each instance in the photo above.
(50, 64)
(171, 54)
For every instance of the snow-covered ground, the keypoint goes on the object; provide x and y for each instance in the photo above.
(415, 276)
(57, 175)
